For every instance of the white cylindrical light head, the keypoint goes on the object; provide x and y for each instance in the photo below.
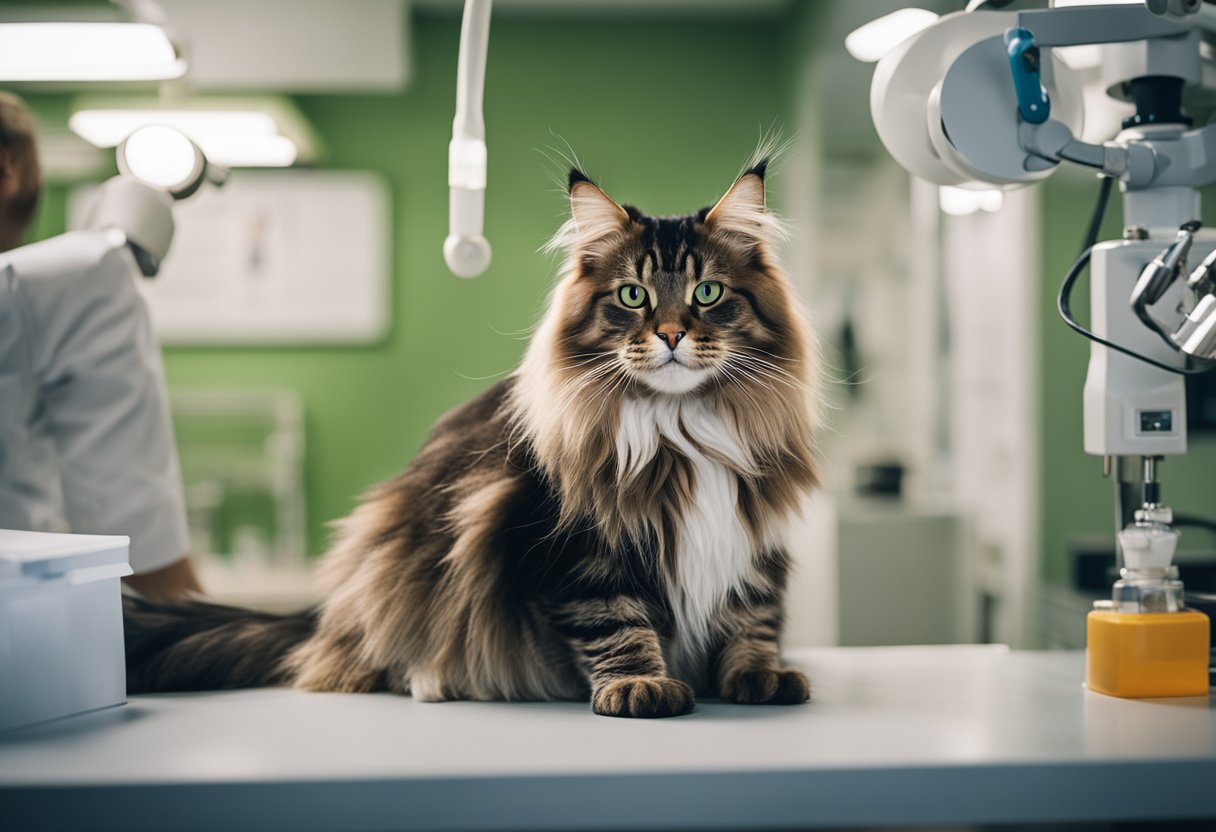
(466, 256)
(466, 249)
(163, 156)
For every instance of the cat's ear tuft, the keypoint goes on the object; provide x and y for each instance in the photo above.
(596, 215)
(742, 213)
(595, 218)
(575, 177)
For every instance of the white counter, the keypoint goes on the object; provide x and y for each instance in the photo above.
(894, 736)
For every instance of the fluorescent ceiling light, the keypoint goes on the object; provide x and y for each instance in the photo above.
(878, 37)
(240, 152)
(87, 52)
(233, 138)
(107, 128)
(959, 202)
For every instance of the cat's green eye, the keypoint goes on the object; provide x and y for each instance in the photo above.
(633, 296)
(707, 293)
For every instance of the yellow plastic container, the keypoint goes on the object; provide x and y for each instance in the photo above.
(1146, 655)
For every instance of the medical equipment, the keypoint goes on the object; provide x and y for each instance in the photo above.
(61, 616)
(167, 158)
(142, 213)
(157, 164)
(981, 97)
(466, 249)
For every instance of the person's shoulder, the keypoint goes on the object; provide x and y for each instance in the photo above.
(69, 256)
(74, 268)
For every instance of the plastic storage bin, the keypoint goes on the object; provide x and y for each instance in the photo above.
(61, 645)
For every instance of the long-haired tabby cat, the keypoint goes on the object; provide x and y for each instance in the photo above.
(608, 521)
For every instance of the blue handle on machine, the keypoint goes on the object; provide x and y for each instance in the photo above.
(1033, 103)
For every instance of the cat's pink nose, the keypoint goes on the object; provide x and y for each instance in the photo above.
(670, 334)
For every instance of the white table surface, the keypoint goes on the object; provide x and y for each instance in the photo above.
(905, 735)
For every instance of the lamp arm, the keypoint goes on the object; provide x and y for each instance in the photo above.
(466, 249)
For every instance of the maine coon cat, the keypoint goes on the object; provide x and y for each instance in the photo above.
(606, 522)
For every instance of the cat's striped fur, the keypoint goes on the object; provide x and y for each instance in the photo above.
(607, 522)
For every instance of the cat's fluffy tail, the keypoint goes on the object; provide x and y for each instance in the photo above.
(191, 645)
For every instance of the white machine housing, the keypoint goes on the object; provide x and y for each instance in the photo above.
(1132, 408)
(951, 84)
(61, 634)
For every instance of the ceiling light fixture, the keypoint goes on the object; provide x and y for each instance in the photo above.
(55, 51)
(232, 138)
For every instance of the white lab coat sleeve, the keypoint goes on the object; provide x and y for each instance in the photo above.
(102, 383)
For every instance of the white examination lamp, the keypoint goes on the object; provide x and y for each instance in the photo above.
(157, 164)
(164, 157)
(466, 249)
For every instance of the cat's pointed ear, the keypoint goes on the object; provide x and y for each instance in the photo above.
(595, 215)
(742, 212)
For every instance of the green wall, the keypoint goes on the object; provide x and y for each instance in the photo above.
(662, 112)
(1076, 501)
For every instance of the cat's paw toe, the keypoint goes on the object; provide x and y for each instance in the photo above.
(767, 687)
(642, 697)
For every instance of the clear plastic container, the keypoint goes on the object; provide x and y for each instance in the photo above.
(1149, 580)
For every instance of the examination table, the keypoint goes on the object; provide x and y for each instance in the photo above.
(902, 735)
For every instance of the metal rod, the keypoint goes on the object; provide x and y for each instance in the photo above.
(1152, 485)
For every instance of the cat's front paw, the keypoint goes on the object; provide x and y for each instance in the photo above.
(642, 697)
(767, 687)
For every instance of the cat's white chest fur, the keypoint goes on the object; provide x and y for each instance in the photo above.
(713, 549)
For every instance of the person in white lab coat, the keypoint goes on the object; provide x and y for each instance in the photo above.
(86, 443)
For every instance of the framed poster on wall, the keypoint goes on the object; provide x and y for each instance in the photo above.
(273, 257)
